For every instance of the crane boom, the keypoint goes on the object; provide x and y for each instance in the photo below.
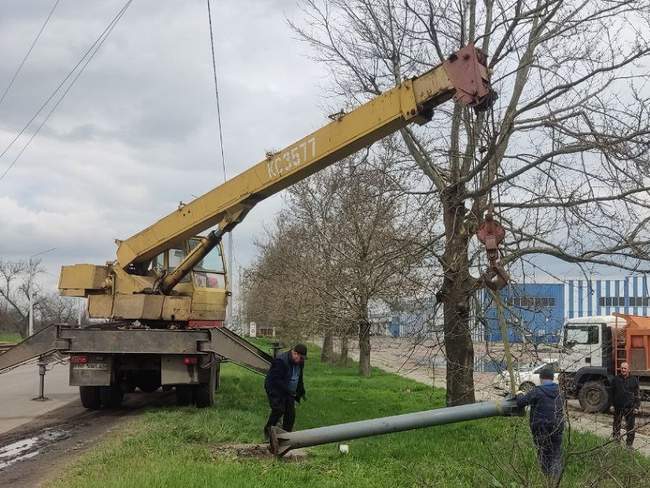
(463, 76)
(165, 276)
(167, 281)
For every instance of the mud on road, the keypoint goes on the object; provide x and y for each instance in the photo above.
(38, 451)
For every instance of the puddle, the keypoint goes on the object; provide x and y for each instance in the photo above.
(29, 447)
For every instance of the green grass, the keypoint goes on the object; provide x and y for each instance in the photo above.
(10, 337)
(172, 447)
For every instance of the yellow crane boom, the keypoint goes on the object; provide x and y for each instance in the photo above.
(463, 75)
(128, 288)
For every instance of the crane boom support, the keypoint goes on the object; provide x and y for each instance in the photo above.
(463, 76)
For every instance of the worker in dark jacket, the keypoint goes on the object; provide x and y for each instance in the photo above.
(546, 422)
(626, 399)
(284, 386)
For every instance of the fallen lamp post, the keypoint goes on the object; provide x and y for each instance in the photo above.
(282, 442)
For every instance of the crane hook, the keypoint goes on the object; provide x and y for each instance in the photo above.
(491, 233)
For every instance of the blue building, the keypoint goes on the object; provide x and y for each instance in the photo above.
(628, 295)
(413, 318)
(407, 318)
(532, 311)
(536, 311)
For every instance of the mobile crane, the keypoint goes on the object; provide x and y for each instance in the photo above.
(165, 294)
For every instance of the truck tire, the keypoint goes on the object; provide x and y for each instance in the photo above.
(111, 396)
(183, 395)
(204, 393)
(594, 397)
(90, 398)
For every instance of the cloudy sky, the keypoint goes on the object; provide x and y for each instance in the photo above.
(138, 133)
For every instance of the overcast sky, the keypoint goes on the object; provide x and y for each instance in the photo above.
(138, 132)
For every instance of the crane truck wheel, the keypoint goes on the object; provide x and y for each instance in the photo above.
(204, 393)
(111, 396)
(183, 395)
(90, 398)
(594, 397)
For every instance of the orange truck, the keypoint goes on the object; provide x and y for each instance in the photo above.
(594, 349)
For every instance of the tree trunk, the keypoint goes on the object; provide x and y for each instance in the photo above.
(456, 293)
(343, 359)
(327, 352)
(364, 348)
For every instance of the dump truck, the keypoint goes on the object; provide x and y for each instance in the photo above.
(594, 349)
(163, 298)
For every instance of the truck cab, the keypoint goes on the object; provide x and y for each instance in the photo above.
(593, 348)
(206, 285)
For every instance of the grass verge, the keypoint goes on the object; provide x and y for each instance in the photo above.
(173, 447)
(10, 337)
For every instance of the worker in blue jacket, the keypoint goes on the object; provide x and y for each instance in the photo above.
(284, 387)
(546, 422)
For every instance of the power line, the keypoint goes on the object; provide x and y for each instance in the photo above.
(223, 160)
(85, 59)
(216, 92)
(29, 51)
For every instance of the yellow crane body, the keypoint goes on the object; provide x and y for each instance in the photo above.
(139, 284)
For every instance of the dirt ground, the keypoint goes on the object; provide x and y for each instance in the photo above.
(38, 451)
(423, 361)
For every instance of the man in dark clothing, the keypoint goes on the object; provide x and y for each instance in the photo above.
(626, 399)
(546, 422)
(284, 386)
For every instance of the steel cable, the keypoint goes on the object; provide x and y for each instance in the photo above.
(85, 59)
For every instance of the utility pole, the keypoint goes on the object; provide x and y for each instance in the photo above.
(231, 281)
(30, 293)
(31, 313)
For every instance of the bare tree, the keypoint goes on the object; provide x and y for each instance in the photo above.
(350, 236)
(275, 291)
(561, 159)
(18, 281)
(55, 309)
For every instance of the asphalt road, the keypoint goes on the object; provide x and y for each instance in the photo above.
(53, 434)
(19, 386)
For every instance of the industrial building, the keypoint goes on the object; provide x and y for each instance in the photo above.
(536, 311)
(533, 312)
